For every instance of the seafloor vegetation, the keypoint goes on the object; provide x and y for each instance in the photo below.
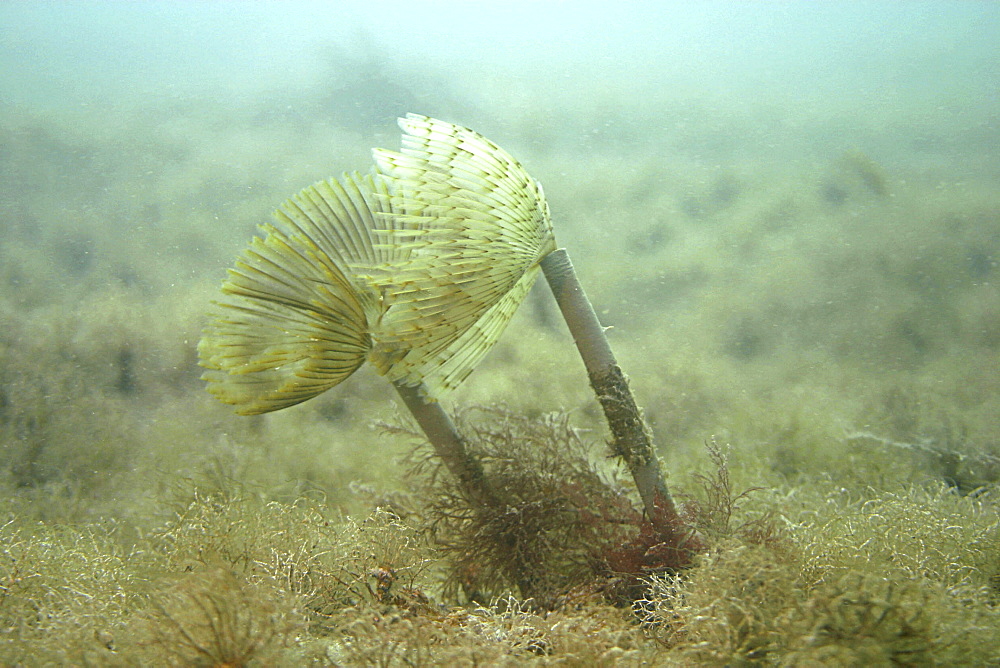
(812, 326)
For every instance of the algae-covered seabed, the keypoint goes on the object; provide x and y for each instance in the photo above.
(812, 289)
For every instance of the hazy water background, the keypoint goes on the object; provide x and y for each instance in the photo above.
(859, 55)
(812, 63)
(788, 212)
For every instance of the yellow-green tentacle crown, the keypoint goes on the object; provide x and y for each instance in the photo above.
(416, 267)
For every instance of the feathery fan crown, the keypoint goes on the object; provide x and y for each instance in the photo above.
(417, 268)
(481, 228)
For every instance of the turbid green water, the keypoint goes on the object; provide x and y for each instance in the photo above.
(787, 214)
